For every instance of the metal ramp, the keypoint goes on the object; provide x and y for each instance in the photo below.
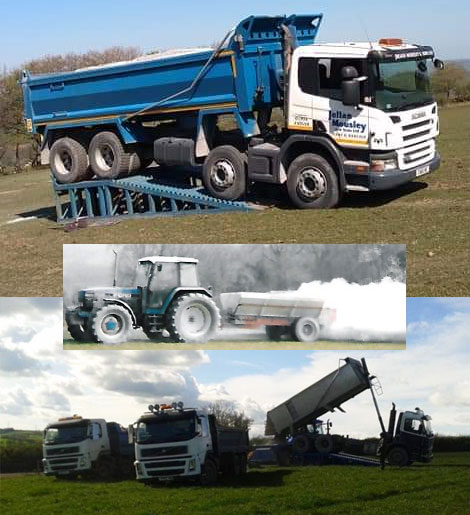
(136, 196)
(341, 458)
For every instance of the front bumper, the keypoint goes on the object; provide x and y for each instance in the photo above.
(66, 465)
(164, 469)
(377, 181)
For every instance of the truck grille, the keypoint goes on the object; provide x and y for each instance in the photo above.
(64, 464)
(161, 464)
(416, 132)
(62, 450)
(164, 451)
(416, 155)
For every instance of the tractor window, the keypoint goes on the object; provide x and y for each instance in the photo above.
(141, 278)
(330, 78)
(188, 275)
(165, 277)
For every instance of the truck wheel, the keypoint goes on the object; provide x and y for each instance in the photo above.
(193, 318)
(302, 444)
(108, 159)
(398, 457)
(111, 324)
(209, 476)
(324, 444)
(306, 330)
(69, 161)
(224, 173)
(312, 183)
(275, 332)
(104, 470)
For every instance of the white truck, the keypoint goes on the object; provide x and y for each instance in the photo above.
(174, 443)
(76, 446)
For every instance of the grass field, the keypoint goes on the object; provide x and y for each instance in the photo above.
(431, 216)
(441, 487)
(237, 345)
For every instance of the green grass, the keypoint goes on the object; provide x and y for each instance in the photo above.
(441, 487)
(431, 216)
(237, 345)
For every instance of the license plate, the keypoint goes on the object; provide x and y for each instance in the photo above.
(422, 171)
(166, 478)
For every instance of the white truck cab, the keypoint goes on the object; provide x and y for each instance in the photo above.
(374, 102)
(172, 442)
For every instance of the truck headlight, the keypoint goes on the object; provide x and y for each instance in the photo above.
(82, 462)
(382, 165)
(192, 464)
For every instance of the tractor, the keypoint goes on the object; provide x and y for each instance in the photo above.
(167, 296)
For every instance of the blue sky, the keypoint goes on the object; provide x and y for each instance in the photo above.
(40, 382)
(31, 29)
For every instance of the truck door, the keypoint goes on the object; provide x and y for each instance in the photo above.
(347, 125)
(301, 91)
(413, 435)
(164, 280)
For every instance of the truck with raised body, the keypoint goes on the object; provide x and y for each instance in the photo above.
(174, 443)
(407, 439)
(76, 446)
(353, 116)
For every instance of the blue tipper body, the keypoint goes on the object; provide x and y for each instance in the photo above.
(246, 75)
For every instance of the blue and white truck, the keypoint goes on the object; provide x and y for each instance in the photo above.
(355, 116)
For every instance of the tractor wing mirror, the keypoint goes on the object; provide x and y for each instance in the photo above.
(159, 267)
(438, 64)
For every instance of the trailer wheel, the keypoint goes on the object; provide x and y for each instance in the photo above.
(398, 457)
(324, 444)
(224, 173)
(306, 330)
(109, 159)
(312, 183)
(69, 161)
(193, 318)
(275, 332)
(302, 444)
(111, 324)
(209, 476)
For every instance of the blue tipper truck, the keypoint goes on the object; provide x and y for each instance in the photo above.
(355, 116)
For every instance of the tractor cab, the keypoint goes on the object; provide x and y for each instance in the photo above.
(160, 276)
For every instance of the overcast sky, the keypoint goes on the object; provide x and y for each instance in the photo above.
(32, 29)
(40, 382)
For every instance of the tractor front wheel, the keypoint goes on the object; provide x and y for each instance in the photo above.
(79, 332)
(193, 318)
(111, 324)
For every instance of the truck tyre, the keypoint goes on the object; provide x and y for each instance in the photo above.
(104, 470)
(275, 332)
(324, 444)
(69, 161)
(193, 318)
(108, 158)
(111, 324)
(398, 457)
(209, 476)
(302, 444)
(312, 183)
(224, 173)
(307, 330)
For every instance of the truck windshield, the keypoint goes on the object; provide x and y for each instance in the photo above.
(167, 428)
(66, 434)
(427, 427)
(401, 85)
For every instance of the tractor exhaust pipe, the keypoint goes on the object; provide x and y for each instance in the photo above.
(115, 268)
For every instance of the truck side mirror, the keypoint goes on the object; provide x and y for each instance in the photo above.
(351, 92)
(130, 434)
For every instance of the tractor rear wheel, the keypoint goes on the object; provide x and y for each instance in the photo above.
(307, 330)
(111, 324)
(193, 318)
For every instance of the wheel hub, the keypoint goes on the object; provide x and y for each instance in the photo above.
(312, 184)
(63, 162)
(222, 174)
(196, 320)
(105, 157)
(111, 325)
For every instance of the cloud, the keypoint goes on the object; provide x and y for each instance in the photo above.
(16, 403)
(16, 362)
(29, 305)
